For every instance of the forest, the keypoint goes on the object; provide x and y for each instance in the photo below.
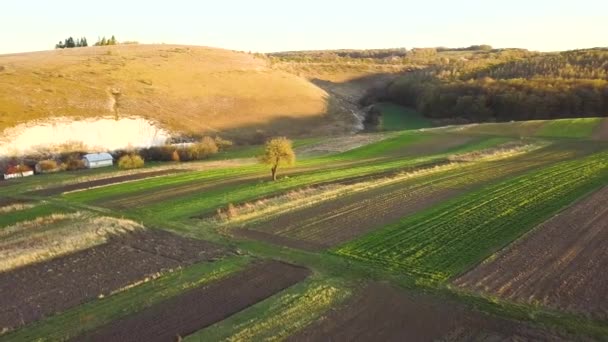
(504, 85)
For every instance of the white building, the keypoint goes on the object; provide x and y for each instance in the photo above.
(95, 160)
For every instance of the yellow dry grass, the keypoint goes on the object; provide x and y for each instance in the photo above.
(185, 88)
(47, 237)
(16, 207)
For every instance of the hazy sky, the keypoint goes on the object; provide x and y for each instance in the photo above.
(275, 25)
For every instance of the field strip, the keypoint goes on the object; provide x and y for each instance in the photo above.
(446, 240)
(279, 316)
(96, 313)
(569, 249)
(51, 236)
(92, 184)
(383, 313)
(38, 290)
(340, 219)
(28, 214)
(198, 308)
(202, 204)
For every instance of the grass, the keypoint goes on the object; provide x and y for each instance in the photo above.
(44, 209)
(570, 128)
(398, 118)
(91, 315)
(448, 239)
(279, 316)
(185, 88)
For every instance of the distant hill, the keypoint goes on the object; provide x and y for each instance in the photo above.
(186, 89)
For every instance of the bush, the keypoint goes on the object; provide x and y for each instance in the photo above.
(130, 161)
(201, 150)
(48, 165)
(73, 162)
(222, 144)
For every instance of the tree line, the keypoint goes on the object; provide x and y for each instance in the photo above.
(70, 42)
(507, 85)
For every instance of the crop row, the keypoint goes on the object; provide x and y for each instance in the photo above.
(446, 240)
(207, 202)
(330, 223)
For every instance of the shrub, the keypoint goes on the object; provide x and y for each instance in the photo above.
(73, 162)
(222, 143)
(175, 156)
(48, 165)
(207, 147)
(130, 161)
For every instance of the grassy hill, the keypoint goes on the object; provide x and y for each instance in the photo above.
(186, 89)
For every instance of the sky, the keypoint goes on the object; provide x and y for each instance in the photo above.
(274, 25)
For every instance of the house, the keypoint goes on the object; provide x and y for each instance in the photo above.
(18, 172)
(95, 160)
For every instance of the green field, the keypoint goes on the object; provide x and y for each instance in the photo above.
(398, 118)
(487, 186)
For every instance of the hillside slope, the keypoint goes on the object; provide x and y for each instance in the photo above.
(185, 89)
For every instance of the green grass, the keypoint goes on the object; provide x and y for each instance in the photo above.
(45, 209)
(279, 316)
(91, 315)
(398, 118)
(448, 239)
(569, 128)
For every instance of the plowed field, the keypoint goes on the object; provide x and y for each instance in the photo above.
(38, 290)
(561, 264)
(382, 313)
(203, 306)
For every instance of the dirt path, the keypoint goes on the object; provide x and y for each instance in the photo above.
(383, 313)
(32, 292)
(203, 306)
(561, 264)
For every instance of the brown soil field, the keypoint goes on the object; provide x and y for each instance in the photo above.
(35, 291)
(383, 313)
(203, 306)
(561, 264)
(332, 222)
(601, 133)
(7, 201)
(101, 182)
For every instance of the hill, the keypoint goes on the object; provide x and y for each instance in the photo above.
(184, 89)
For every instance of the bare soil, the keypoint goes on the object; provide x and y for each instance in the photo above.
(383, 313)
(203, 306)
(35, 291)
(8, 201)
(601, 132)
(561, 264)
(101, 182)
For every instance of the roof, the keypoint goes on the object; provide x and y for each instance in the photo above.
(93, 157)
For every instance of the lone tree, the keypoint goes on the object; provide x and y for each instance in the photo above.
(278, 151)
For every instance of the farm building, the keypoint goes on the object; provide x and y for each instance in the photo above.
(18, 172)
(95, 160)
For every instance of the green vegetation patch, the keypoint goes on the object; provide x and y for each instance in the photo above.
(569, 128)
(446, 240)
(278, 316)
(397, 118)
(46, 209)
(91, 315)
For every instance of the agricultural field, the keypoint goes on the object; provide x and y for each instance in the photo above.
(446, 240)
(480, 233)
(568, 248)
